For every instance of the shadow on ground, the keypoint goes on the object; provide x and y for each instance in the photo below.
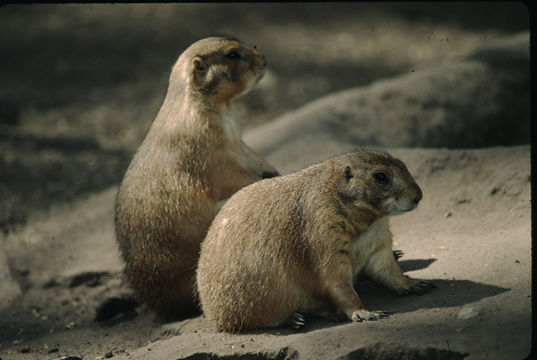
(450, 293)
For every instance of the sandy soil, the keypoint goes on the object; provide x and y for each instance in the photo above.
(470, 236)
(77, 102)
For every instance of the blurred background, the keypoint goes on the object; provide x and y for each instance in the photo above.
(81, 84)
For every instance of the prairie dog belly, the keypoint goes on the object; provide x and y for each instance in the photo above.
(367, 243)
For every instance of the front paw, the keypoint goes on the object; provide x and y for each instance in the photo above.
(269, 174)
(418, 287)
(361, 315)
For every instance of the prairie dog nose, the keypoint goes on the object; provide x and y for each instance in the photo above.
(419, 194)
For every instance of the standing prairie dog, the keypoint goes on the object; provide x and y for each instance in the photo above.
(191, 160)
(298, 242)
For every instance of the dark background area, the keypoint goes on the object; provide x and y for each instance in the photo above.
(80, 84)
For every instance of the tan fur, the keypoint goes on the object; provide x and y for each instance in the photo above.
(298, 242)
(191, 160)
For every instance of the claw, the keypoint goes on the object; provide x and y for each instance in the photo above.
(384, 314)
(297, 321)
(424, 286)
(381, 314)
(419, 287)
(397, 254)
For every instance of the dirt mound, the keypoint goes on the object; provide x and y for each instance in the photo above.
(480, 99)
(470, 236)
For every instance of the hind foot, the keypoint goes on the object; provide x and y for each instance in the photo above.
(361, 315)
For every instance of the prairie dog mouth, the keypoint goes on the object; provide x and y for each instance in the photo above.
(252, 82)
(259, 77)
(396, 209)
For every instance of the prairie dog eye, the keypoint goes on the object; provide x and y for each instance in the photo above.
(233, 54)
(381, 177)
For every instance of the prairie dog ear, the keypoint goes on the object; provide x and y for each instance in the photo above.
(348, 173)
(199, 71)
(344, 186)
(199, 65)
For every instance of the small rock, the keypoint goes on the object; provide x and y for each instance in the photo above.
(51, 283)
(25, 350)
(24, 272)
(468, 312)
(494, 190)
(114, 306)
(517, 262)
(68, 357)
(108, 355)
(448, 214)
(90, 278)
(53, 350)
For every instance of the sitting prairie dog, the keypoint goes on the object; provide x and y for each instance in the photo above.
(190, 162)
(298, 242)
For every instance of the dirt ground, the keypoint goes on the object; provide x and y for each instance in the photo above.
(82, 83)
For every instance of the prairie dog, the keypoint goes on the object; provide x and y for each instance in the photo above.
(298, 242)
(191, 160)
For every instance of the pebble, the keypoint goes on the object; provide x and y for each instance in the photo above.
(468, 312)
(70, 325)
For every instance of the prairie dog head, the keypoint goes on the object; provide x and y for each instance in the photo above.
(378, 182)
(219, 69)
